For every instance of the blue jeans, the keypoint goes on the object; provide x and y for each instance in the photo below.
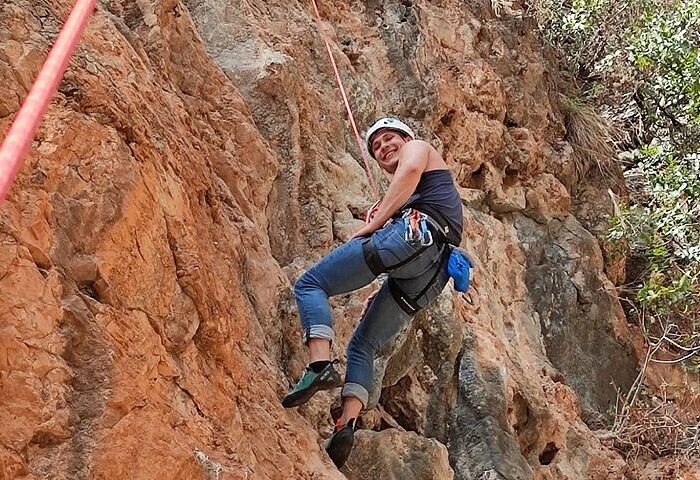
(345, 270)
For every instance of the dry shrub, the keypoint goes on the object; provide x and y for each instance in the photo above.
(593, 140)
(658, 427)
(651, 426)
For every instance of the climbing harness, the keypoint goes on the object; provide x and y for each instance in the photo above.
(368, 166)
(19, 138)
(374, 262)
(424, 230)
(408, 303)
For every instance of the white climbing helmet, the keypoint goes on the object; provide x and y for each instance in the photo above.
(390, 123)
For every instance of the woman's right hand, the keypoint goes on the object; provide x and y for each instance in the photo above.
(372, 211)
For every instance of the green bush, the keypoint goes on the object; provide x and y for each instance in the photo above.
(665, 49)
(664, 229)
(638, 62)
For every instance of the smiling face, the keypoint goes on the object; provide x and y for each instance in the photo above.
(385, 146)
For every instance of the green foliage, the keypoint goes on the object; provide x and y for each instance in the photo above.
(591, 36)
(665, 49)
(665, 230)
(639, 62)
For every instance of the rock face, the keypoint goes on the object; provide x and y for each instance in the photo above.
(196, 160)
(584, 329)
(393, 455)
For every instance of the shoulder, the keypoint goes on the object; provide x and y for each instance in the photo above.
(418, 147)
(426, 152)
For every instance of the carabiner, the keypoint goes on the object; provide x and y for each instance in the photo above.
(427, 238)
(468, 298)
(407, 230)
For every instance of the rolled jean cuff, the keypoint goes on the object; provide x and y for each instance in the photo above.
(319, 331)
(356, 390)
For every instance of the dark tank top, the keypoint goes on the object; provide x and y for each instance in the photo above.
(437, 196)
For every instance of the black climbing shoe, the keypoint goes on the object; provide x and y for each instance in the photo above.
(311, 383)
(340, 443)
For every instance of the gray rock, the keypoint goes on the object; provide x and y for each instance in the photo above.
(479, 443)
(577, 314)
(394, 455)
(421, 373)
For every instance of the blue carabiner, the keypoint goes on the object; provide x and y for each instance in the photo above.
(426, 234)
(427, 238)
(406, 230)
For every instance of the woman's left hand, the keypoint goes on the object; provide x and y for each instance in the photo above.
(367, 230)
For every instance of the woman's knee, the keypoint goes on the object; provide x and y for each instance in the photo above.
(304, 285)
(359, 345)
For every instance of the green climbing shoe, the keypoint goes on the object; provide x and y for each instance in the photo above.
(311, 383)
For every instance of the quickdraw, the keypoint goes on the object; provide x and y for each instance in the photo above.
(416, 228)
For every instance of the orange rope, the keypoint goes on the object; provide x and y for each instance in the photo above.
(368, 166)
(19, 138)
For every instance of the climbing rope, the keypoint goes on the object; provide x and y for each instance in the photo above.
(368, 165)
(19, 138)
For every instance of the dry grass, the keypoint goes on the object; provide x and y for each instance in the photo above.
(594, 142)
(656, 427)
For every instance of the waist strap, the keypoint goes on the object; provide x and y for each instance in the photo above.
(375, 263)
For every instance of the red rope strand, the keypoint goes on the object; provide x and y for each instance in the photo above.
(368, 165)
(19, 138)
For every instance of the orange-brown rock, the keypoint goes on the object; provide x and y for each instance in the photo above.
(196, 159)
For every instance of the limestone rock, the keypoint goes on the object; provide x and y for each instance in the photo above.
(584, 330)
(547, 199)
(197, 158)
(394, 455)
(504, 195)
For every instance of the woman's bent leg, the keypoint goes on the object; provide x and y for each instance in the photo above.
(342, 271)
